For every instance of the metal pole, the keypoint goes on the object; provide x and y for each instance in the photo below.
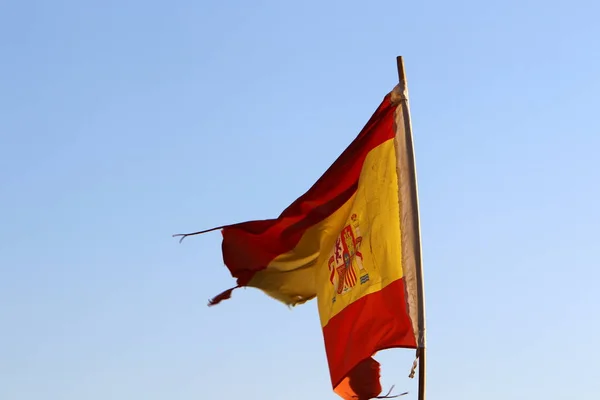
(418, 256)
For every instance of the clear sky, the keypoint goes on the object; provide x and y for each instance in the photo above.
(123, 122)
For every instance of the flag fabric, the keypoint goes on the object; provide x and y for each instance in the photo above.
(351, 242)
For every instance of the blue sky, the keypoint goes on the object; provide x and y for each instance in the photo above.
(122, 123)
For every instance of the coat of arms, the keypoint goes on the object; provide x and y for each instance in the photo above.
(346, 267)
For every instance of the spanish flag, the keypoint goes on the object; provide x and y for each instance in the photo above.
(352, 242)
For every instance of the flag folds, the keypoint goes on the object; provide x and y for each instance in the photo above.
(351, 241)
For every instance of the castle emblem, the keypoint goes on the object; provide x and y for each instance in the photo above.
(346, 267)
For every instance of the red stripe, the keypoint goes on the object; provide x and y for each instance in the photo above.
(250, 246)
(374, 322)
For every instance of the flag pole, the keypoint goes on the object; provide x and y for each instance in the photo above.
(418, 256)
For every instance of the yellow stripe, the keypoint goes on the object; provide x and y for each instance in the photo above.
(290, 277)
(303, 273)
(375, 219)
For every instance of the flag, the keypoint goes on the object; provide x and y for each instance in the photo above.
(352, 242)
